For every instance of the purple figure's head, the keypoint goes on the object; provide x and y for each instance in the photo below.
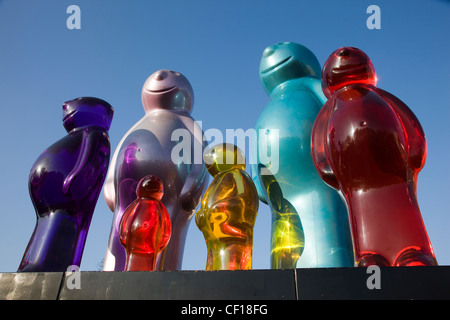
(166, 89)
(347, 66)
(87, 111)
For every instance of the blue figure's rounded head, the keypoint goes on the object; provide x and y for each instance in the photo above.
(285, 61)
(166, 89)
(87, 111)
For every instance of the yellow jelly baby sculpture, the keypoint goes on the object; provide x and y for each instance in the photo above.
(228, 210)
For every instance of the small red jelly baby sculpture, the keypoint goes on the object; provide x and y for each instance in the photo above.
(369, 145)
(145, 226)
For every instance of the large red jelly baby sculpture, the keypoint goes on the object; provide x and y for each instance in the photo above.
(64, 183)
(145, 226)
(369, 145)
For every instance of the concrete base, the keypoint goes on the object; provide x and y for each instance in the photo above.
(402, 283)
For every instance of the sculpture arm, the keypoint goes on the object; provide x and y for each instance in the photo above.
(83, 169)
(254, 173)
(319, 145)
(417, 146)
(196, 180)
(314, 85)
(255, 170)
(319, 134)
(108, 188)
(193, 188)
(231, 208)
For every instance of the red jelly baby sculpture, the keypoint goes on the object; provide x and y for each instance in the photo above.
(369, 145)
(145, 226)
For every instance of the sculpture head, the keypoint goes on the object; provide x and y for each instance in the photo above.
(347, 66)
(286, 61)
(87, 111)
(223, 157)
(150, 187)
(166, 89)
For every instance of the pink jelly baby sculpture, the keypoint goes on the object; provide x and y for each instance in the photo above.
(369, 145)
(145, 226)
(166, 142)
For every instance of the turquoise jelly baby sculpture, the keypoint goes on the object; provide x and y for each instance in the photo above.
(309, 219)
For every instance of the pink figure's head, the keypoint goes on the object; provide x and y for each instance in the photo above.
(166, 89)
(347, 66)
(150, 187)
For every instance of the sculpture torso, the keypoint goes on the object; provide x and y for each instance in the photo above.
(64, 212)
(54, 165)
(145, 227)
(147, 149)
(321, 233)
(226, 218)
(368, 151)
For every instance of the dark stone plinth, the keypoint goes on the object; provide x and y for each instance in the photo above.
(30, 286)
(185, 285)
(395, 283)
(402, 283)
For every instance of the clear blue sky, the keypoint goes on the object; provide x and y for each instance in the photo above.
(217, 45)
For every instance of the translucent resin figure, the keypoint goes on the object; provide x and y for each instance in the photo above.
(151, 147)
(145, 226)
(370, 146)
(228, 210)
(309, 219)
(64, 184)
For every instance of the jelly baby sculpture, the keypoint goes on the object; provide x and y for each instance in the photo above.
(309, 219)
(370, 146)
(228, 210)
(150, 147)
(144, 230)
(64, 184)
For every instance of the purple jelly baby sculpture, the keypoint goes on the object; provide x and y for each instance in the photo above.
(64, 185)
(153, 147)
